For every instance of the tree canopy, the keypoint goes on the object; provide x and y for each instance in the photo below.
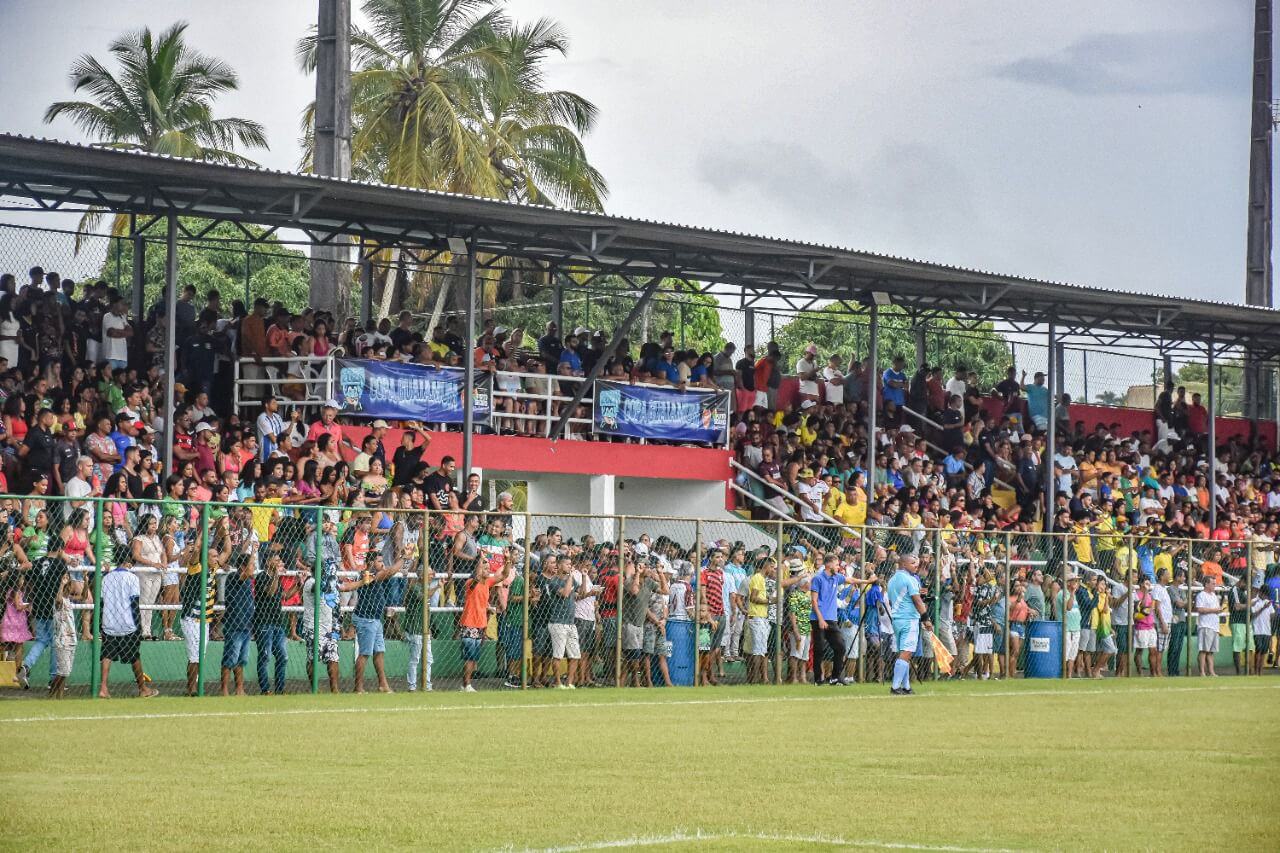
(836, 332)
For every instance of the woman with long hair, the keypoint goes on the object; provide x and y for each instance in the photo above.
(149, 562)
(78, 556)
(173, 538)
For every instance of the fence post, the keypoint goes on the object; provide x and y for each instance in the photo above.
(1063, 569)
(702, 594)
(525, 647)
(317, 595)
(248, 273)
(937, 593)
(1008, 588)
(119, 242)
(1130, 558)
(622, 591)
(778, 605)
(100, 554)
(204, 596)
(428, 577)
(1190, 632)
(1248, 608)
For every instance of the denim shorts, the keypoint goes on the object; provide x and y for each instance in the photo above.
(235, 649)
(511, 635)
(369, 639)
(471, 648)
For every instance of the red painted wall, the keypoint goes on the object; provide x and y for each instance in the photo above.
(510, 453)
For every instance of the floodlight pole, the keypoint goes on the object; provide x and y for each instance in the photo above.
(469, 371)
(872, 385)
(1213, 435)
(1050, 481)
(170, 337)
(597, 370)
(1258, 273)
(332, 138)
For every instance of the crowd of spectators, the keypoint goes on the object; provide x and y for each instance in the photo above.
(83, 402)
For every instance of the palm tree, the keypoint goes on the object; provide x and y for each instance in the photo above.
(1110, 398)
(162, 102)
(448, 95)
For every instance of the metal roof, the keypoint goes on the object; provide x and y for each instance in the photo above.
(55, 173)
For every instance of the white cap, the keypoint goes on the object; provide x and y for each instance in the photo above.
(331, 404)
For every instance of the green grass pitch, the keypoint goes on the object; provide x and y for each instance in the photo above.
(1120, 765)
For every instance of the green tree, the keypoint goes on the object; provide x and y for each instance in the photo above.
(275, 272)
(450, 95)
(836, 332)
(160, 101)
(1110, 398)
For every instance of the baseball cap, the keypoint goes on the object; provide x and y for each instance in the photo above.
(331, 404)
(204, 426)
(812, 349)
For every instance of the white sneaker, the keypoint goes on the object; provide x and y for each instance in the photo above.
(571, 687)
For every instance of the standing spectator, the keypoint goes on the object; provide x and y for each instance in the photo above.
(1164, 622)
(237, 621)
(1148, 624)
(1178, 600)
(639, 583)
(116, 332)
(368, 615)
(269, 428)
(1068, 608)
(1238, 620)
(723, 372)
(799, 634)
(329, 590)
(807, 373)
(121, 629)
(268, 624)
(44, 588)
(558, 595)
(654, 641)
(1207, 609)
(149, 563)
(894, 383)
(475, 617)
(253, 349)
(823, 590)
(65, 639)
(711, 586)
(759, 601)
(1263, 613)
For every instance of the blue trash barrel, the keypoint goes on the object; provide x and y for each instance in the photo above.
(1044, 649)
(680, 664)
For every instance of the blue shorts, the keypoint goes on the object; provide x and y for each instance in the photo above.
(369, 640)
(511, 635)
(906, 635)
(235, 649)
(471, 648)
(1018, 629)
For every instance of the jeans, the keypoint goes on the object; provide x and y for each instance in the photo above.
(43, 630)
(1177, 636)
(270, 640)
(235, 648)
(415, 659)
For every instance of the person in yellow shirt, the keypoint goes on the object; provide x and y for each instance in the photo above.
(762, 589)
(1081, 540)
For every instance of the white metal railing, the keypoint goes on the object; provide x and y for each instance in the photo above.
(283, 378)
(795, 500)
(523, 403)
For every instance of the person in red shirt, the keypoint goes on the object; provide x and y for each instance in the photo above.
(327, 425)
(712, 581)
(1197, 416)
(475, 614)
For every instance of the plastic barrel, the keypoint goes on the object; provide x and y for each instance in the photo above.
(680, 664)
(1044, 649)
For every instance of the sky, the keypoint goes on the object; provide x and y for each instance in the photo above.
(1098, 143)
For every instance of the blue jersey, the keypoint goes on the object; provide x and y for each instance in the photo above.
(902, 586)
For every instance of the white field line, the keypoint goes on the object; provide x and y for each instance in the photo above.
(700, 836)
(535, 706)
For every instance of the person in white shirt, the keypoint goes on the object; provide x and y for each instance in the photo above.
(1064, 463)
(1208, 609)
(956, 385)
(807, 373)
(812, 493)
(584, 619)
(1160, 594)
(1263, 614)
(121, 630)
(116, 332)
(833, 381)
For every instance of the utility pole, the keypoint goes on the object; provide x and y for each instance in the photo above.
(1257, 288)
(330, 263)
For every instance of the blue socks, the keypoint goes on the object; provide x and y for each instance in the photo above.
(901, 674)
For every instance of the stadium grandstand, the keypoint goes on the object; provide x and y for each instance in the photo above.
(487, 494)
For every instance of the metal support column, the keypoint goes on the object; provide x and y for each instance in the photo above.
(332, 142)
(872, 383)
(651, 287)
(170, 337)
(922, 355)
(557, 303)
(749, 332)
(1213, 433)
(137, 344)
(1051, 445)
(1084, 373)
(469, 371)
(1060, 354)
(1258, 272)
(248, 275)
(366, 288)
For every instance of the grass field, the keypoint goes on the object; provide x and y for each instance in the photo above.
(1132, 764)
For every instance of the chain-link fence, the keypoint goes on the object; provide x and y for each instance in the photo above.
(107, 596)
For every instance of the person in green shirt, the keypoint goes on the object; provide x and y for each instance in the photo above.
(799, 607)
(511, 629)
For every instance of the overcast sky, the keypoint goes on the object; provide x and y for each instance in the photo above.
(1101, 143)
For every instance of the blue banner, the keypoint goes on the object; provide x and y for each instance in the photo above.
(409, 392)
(646, 411)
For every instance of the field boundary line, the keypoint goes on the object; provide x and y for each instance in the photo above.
(642, 703)
(699, 835)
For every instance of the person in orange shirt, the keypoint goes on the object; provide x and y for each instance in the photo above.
(327, 425)
(475, 613)
(253, 348)
(1212, 566)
